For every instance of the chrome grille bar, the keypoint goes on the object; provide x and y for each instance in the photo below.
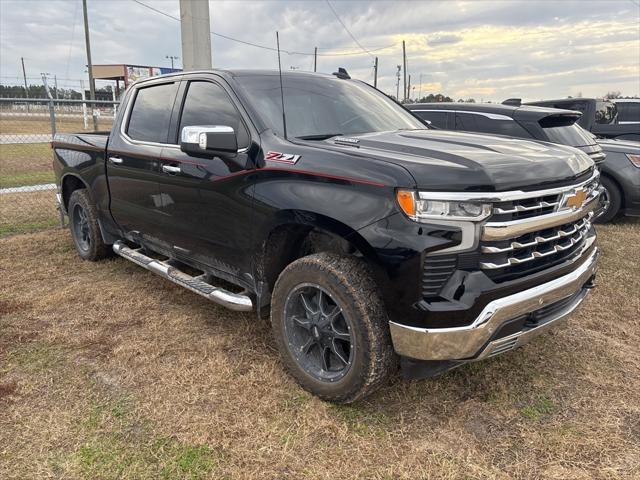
(536, 254)
(522, 208)
(540, 239)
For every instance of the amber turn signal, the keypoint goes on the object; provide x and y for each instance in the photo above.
(407, 202)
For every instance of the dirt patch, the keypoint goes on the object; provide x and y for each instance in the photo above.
(7, 389)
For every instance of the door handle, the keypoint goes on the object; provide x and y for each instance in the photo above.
(116, 160)
(170, 169)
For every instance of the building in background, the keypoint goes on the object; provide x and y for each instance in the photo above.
(128, 73)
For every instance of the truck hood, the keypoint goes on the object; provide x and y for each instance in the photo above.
(446, 160)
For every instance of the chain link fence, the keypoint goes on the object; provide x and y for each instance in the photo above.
(27, 188)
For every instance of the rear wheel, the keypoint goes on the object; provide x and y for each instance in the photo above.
(612, 198)
(331, 327)
(85, 230)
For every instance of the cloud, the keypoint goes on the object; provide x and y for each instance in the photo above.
(443, 39)
(487, 49)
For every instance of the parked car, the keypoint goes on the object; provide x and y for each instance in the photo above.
(628, 110)
(599, 116)
(620, 179)
(620, 176)
(539, 123)
(364, 235)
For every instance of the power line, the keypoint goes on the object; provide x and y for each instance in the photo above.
(346, 29)
(264, 47)
(73, 32)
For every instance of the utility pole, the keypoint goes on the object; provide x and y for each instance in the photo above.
(375, 73)
(172, 58)
(24, 75)
(87, 42)
(409, 88)
(398, 83)
(404, 70)
(55, 82)
(195, 32)
(315, 59)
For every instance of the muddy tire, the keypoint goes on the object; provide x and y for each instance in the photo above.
(85, 230)
(331, 327)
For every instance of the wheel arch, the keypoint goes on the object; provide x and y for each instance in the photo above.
(298, 233)
(69, 183)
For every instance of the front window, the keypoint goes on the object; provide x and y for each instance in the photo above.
(320, 107)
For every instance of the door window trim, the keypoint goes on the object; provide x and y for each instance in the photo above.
(187, 82)
(127, 115)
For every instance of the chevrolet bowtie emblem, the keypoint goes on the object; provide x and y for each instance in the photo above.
(576, 200)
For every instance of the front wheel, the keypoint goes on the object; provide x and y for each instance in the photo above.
(331, 327)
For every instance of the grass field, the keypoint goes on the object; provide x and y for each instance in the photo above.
(37, 124)
(27, 212)
(25, 164)
(107, 371)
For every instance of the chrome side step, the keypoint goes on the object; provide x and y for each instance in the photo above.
(230, 300)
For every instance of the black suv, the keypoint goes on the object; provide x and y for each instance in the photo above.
(620, 173)
(546, 124)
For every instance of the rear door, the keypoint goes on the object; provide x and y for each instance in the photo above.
(207, 202)
(133, 158)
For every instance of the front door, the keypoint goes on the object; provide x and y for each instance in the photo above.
(207, 202)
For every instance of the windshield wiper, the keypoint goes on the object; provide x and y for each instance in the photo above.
(323, 136)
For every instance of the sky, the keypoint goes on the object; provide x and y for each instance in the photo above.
(487, 50)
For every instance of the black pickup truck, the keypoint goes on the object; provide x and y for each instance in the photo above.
(370, 239)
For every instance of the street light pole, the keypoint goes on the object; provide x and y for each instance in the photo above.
(172, 58)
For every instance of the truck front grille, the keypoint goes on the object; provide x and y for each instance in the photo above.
(527, 234)
(508, 259)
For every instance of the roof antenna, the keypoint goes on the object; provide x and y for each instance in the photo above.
(284, 118)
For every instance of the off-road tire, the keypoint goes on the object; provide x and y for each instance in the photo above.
(96, 249)
(350, 281)
(615, 201)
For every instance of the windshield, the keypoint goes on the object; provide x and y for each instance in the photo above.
(320, 107)
(572, 135)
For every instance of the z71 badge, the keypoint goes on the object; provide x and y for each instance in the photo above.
(282, 157)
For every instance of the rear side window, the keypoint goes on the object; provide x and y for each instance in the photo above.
(480, 123)
(151, 113)
(628, 112)
(605, 112)
(437, 119)
(207, 104)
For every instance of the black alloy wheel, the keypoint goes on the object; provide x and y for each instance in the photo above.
(318, 333)
(80, 226)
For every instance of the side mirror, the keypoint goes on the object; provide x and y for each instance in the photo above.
(209, 141)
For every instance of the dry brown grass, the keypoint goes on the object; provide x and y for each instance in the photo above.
(107, 371)
(41, 124)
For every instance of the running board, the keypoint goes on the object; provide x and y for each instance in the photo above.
(230, 300)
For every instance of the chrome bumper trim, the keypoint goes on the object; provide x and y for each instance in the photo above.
(467, 342)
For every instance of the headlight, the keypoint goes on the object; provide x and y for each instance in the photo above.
(635, 159)
(422, 209)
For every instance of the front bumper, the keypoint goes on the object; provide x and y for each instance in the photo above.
(483, 337)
